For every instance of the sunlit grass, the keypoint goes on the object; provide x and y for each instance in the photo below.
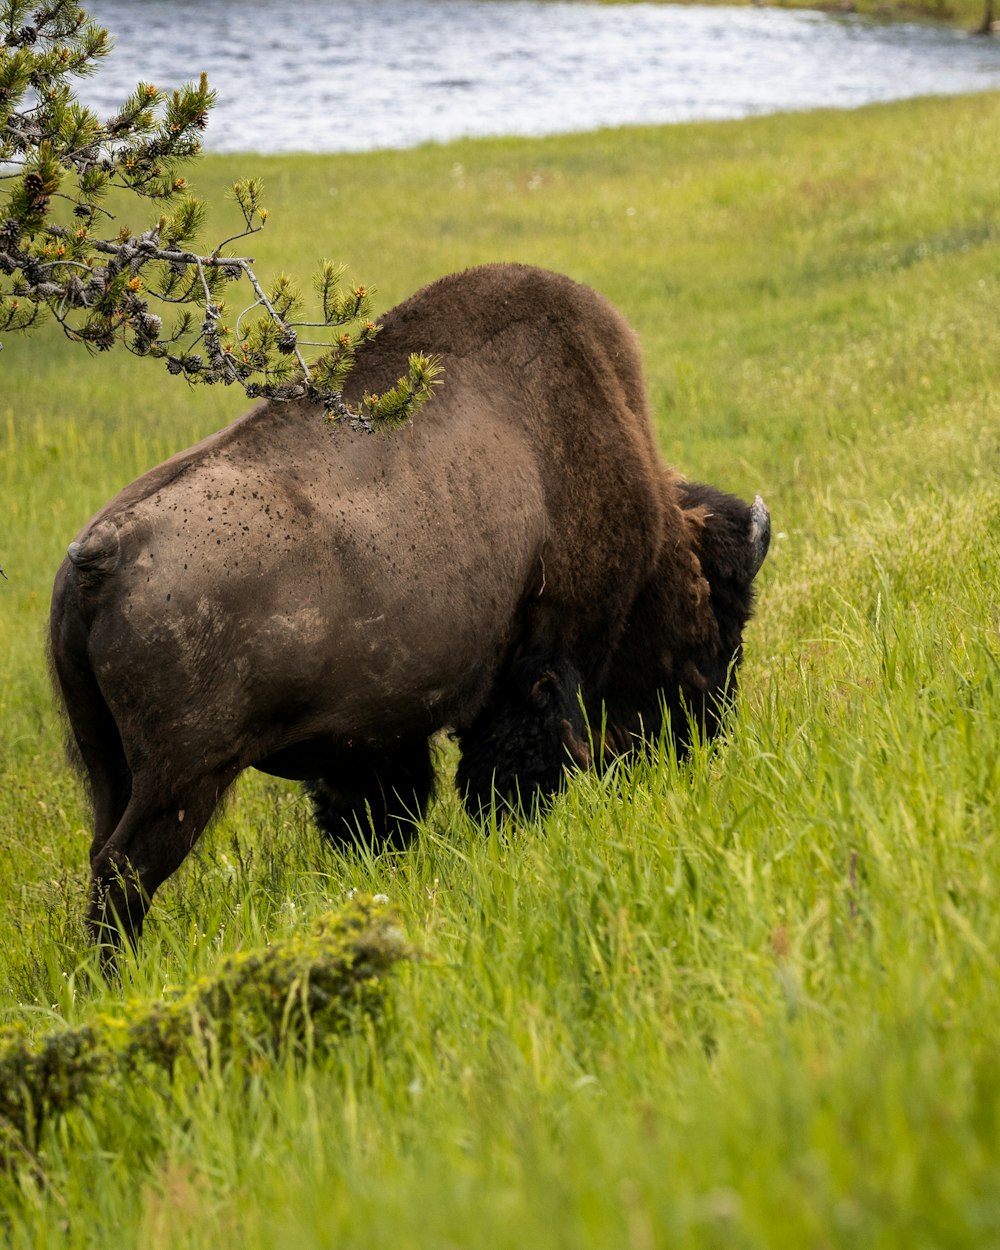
(749, 1000)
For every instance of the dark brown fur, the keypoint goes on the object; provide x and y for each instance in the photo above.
(316, 602)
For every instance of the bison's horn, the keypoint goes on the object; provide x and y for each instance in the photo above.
(760, 533)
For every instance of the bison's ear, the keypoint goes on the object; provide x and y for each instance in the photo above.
(730, 536)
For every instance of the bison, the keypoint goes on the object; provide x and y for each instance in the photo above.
(517, 566)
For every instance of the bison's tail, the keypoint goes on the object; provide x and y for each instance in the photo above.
(95, 746)
(96, 555)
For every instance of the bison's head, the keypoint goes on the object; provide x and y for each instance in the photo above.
(684, 639)
(730, 541)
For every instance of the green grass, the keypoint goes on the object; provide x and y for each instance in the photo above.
(962, 14)
(748, 1001)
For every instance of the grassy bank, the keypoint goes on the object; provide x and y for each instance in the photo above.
(963, 14)
(747, 1002)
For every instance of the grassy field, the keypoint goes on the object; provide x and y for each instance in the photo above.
(748, 1001)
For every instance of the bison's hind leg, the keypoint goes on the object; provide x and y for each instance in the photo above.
(374, 799)
(161, 823)
(516, 752)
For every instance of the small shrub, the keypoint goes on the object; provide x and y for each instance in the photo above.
(288, 996)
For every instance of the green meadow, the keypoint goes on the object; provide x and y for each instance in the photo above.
(750, 999)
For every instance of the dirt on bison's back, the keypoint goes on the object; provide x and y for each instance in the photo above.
(557, 362)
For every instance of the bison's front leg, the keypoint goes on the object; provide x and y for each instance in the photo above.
(532, 729)
(374, 799)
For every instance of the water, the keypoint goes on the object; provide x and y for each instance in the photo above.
(338, 75)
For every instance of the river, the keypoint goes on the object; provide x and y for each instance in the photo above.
(340, 75)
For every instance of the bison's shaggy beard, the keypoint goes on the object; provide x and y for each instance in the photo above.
(516, 752)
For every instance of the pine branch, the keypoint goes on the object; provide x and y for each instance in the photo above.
(56, 264)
